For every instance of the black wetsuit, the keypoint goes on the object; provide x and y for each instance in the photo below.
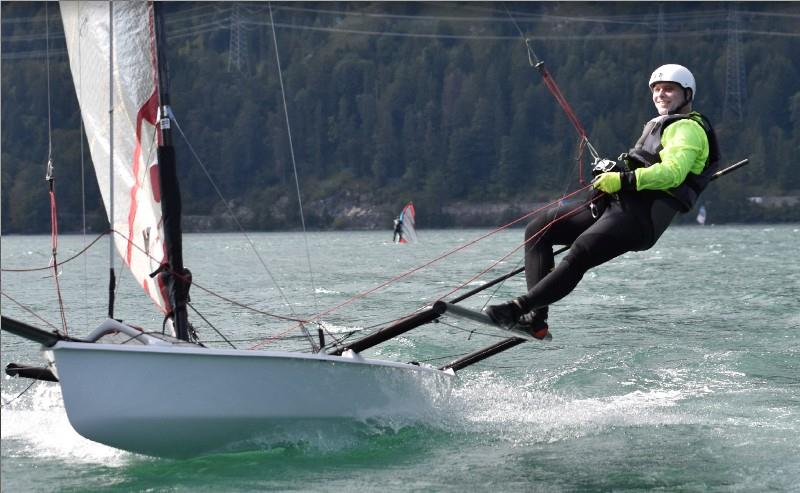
(631, 221)
(398, 231)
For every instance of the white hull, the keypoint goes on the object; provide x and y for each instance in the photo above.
(177, 401)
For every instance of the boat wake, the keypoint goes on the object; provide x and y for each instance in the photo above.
(37, 425)
(525, 413)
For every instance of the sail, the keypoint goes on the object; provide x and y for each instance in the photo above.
(701, 215)
(407, 219)
(138, 237)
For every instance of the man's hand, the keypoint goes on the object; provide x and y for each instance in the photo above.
(608, 182)
(613, 182)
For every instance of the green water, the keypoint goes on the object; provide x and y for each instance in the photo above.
(676, 369)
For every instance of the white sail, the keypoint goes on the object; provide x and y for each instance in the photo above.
(407, 220)
(701, 215)
(137, 224)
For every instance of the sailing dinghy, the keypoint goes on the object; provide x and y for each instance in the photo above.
(169, 395)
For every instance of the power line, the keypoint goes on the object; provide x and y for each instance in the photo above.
(553, 37)
(207, 18)
(661, 41)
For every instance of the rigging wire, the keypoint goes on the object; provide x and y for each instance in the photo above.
(247, 237)
(536, 236)
(297, 186)
(539, 65)
(83, 181)
(534, 61)
(63, 261)
(194, 283)
(50, 178)
(29, 310)
(6, 403)
(407, 273)
(295, 171)
(198, 286)
(232, 215)
(210, 324)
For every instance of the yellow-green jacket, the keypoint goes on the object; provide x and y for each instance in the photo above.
(677, 154)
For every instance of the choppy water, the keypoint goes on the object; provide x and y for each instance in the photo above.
(676, 369)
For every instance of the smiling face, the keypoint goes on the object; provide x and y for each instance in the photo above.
(668, 97)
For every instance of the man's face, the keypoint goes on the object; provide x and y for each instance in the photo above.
(667, 96)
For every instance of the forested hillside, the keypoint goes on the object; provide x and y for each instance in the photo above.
(389, 102)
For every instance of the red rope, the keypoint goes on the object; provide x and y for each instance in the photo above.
(54, 233)
(562, 101)
(415, 269)
(54, 244)
(535, 236)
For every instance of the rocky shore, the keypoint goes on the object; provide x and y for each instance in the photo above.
(362, 216)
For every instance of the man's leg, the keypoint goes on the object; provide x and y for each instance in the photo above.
(615, 233)
(540, 238)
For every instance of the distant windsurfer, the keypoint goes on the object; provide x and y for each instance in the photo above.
(671, 163)
(397, 237)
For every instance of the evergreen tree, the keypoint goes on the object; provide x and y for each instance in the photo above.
(450, 118)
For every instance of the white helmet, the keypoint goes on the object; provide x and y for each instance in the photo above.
(674, 73)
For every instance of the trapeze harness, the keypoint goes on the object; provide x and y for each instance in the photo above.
(629, 221)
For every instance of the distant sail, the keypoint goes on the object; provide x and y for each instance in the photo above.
(701, 215)
(407, 220)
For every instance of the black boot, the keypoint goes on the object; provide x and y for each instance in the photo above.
(506, 314)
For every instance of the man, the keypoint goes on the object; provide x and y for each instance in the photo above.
(663, 174)
(398, 230)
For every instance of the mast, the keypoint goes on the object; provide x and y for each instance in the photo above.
(176, 278)
(112, 280)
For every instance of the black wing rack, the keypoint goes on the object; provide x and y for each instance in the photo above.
(46, 339)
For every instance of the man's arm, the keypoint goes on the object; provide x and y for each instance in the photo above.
(685, 150)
